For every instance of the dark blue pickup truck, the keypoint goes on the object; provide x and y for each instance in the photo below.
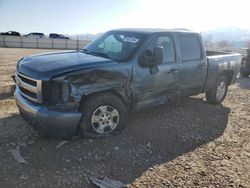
(94, 89)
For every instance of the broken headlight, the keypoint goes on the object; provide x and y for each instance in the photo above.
(65, 91)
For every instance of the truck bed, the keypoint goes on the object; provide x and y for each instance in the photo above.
(215, 53)
(221, 62)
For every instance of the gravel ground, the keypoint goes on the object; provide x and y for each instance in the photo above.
(186, 144)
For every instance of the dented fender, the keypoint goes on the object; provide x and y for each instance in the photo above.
(114, 77)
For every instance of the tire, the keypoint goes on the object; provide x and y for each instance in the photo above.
(219, 91)
(104, 114)
(244, 74)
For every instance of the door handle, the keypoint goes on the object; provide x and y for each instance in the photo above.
(172, 71)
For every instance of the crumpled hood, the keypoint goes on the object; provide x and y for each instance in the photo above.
(48, 65)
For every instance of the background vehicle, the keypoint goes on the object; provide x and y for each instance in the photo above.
(11, 33)
(94, 89)
(35, 35)
(245, 65)
(57, 36)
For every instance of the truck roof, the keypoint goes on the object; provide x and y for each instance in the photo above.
(151, 30)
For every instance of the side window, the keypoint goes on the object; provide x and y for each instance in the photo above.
(190, 47)
(168, 45)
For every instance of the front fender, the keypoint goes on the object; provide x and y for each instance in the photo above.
(117, 79)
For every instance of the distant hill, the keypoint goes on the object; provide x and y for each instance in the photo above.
(238, 37)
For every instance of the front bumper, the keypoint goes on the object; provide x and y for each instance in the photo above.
(48, 122)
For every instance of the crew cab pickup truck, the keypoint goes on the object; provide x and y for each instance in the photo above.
(93, 90)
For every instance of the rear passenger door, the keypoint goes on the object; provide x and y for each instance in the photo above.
(192, 74)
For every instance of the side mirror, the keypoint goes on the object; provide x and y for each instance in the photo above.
(149, 59)
(158, 55)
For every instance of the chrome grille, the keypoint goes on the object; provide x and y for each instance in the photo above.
(29, 88)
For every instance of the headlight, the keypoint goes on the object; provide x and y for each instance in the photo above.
(65, 91)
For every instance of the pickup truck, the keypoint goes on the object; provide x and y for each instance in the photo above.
(92, 91)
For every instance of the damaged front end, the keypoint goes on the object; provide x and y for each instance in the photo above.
(58, 95)
(57, 115)
(58, 112)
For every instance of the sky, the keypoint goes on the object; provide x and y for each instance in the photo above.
(95, 16)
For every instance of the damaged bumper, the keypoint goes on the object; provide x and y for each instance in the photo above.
(48, 122)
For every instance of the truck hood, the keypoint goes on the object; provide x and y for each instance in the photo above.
(48, 65)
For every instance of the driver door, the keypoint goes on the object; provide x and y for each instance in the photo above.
(152, 87)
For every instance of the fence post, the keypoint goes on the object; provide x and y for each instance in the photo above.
(52, 43)
(77, 43)
(21, 41)
(36, 42)
(66, 41)
(4, 45)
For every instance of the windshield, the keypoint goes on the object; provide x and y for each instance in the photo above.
(115, 45)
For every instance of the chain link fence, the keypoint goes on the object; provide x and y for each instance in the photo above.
(45, 43)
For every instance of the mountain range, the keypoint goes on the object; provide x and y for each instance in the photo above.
(236, 36)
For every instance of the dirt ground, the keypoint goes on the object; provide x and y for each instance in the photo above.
(187, 144)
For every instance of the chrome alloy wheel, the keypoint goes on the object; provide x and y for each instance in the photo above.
(105, 119)
(221, 89)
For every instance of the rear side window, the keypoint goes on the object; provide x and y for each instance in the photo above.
(190, 47)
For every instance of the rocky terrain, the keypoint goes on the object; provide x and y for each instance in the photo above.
(189, 143)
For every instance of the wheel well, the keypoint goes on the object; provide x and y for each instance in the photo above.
(85, 97)
(228, 74)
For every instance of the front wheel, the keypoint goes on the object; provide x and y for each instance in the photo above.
(219, 91)
(103, 114)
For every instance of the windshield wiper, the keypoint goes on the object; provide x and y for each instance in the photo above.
(95, 53)
(84, 51)
(99, 54)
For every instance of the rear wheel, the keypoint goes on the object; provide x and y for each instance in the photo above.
(219, 91)
(103, 114)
